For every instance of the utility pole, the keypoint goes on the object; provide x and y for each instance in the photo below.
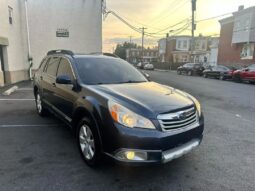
(167, 35)
(143, 41)
(130, 39)
(193, 28)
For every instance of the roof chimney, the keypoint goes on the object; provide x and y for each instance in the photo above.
(241, 7)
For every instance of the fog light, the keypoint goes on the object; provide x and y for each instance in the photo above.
(131, 155)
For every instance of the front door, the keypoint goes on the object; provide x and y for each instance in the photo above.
(65, 95)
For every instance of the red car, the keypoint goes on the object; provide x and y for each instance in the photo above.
(245, 74)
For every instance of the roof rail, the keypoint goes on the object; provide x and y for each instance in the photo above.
(68, 52)
(111, 55)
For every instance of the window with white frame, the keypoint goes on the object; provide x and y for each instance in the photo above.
(10, 11)
(185, 44)
(247, 51)
(179, 44)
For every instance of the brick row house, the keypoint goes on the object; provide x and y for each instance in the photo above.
(176, 50)
(237, 38)
(134, 55)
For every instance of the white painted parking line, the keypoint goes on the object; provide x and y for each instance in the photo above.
(17, 99)
(25, 89)
(10, 91)
(33, 125)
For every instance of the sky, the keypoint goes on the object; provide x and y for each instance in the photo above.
(157, 15)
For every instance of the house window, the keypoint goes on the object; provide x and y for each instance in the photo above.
(185, 44)
(247, 51)
(10, 11)
(179, 44)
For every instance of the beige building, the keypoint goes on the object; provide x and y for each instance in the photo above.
(29, 29)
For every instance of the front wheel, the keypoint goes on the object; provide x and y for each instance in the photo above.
(88, 142)
(205, 75)
(237, 78)
(189, 73)
(222, 77)
(178, 72)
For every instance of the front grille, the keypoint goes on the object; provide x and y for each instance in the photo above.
(178, 120)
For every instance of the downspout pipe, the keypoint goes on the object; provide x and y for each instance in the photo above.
(30, 59)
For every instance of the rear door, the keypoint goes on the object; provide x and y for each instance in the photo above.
(48, 82)
(65, 94)
(212, 71)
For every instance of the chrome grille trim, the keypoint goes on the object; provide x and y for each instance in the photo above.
(178, 120)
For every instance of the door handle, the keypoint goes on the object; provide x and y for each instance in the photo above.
(54, 84)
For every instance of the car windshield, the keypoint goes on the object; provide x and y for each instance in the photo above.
(107, 71)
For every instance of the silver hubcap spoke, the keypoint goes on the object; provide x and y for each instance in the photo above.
(87, 142)
(39, 103)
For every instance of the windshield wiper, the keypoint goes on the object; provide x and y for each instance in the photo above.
(130, 81)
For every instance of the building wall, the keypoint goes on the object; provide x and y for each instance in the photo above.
(15, 54)
(83, 20)
(229, 54)
(244, 26)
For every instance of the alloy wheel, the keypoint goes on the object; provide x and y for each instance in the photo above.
(38, 103)
(221, 77)
(87, 142)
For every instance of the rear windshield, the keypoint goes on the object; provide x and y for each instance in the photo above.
(107, 71)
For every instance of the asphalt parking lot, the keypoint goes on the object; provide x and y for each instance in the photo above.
(40, 153)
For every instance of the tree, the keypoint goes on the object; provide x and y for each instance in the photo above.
(121, 49)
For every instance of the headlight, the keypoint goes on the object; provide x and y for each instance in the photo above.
(198, 106)
(128, 118)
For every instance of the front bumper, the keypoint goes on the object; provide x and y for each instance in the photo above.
(161, 157)
(158, 147)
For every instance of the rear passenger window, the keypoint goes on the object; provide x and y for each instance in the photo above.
(53, 66)
(43, 63)
(65, 68)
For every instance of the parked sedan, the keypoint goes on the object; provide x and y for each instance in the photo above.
(219, 72)
(149, 67)
(245, 74)
(191, 69)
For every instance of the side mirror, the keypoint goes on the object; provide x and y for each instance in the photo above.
(246, 69)
(64, 79)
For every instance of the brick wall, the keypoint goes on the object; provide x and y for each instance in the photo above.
(229, 54)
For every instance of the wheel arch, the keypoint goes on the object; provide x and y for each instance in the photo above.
(81, 112)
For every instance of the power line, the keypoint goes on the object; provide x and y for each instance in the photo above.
(168, 12)
(173, 11)
(172, 26)
(215, 17)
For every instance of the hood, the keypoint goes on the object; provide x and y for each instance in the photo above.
(153, 96)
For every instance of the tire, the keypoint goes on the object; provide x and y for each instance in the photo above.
(178, 72)
(88, 142)
(237, 78)
(41, 110)
(205, 75)
(221, 77)
(190, 73)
